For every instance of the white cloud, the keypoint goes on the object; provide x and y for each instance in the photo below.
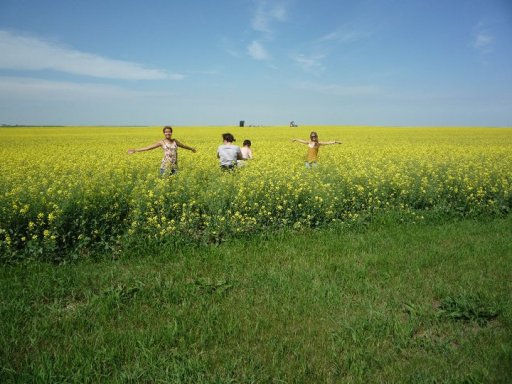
(265, 14)
(29, 53)
(279, 12)
(311, 64)
(339, 90)
(229, 47)
(483, 40)
(343, 36)
(36, 89)
(257, 51)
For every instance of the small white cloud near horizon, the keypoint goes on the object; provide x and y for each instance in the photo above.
(31, 54)
(339, 90)
(257, 51)
(32, 88)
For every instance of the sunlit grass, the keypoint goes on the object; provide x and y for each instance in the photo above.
(404, 303)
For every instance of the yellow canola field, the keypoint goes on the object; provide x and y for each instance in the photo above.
(69, 190)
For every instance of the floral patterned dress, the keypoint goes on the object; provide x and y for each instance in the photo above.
(170, 159)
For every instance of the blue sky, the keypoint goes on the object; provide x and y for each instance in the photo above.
(333, 62)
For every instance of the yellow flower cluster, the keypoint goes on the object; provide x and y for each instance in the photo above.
(76, 188)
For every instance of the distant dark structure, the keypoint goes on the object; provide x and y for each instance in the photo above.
(242, 123)
(292, 124)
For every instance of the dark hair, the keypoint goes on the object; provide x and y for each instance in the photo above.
(247, 142)
(228, 137)
(167, 127)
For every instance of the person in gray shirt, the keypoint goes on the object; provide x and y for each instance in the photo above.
(228, 153)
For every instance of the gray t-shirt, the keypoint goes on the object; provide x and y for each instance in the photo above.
(228, 154)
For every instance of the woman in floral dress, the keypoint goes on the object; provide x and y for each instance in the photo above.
(170, 146)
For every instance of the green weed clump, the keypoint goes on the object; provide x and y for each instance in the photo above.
(467, 307)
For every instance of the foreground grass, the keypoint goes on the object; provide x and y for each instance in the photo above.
(402, 303)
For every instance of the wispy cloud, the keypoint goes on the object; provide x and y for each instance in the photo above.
(343, 36)
(311, 64)
(266, 13)
(32, 88)
(207, 72)
(324, 45)
(257, 51)
(227, 45)
(482, 39)
(339, 89)
(30, 53)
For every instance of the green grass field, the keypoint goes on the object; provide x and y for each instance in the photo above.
(384, 303)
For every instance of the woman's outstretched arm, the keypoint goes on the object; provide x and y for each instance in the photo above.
(148, 148)
(181, 145)
(329, 142)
